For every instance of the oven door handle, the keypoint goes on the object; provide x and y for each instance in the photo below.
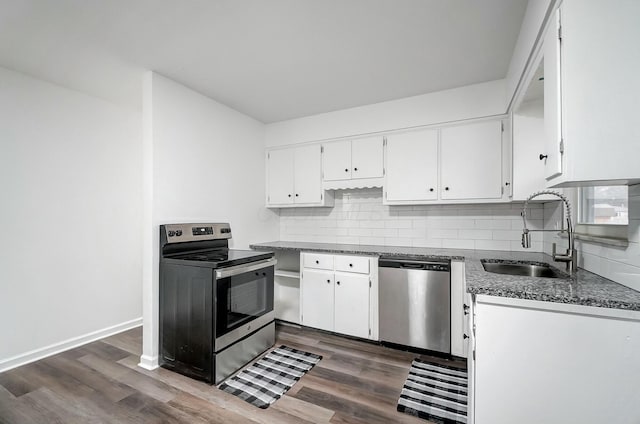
(241, 269)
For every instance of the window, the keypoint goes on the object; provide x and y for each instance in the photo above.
(604, 205)
(603, 214)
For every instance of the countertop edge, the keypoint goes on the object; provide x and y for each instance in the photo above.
(585, 290)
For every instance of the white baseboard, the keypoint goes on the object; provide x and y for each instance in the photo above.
(36, 354)
(148, 362)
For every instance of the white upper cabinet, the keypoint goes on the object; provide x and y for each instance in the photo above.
(458, 164)
(353, 163)
(367, 158)
(529, 137)
(336, 161)
(411, 167)
(294, 177)
(552, 102)
(280, 177)
(471, 161)
(306, 169)
(599, 90)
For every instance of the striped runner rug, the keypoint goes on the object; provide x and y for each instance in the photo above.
(435, 392)
(267, 379)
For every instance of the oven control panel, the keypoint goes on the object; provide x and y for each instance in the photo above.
(202, 231)
(178, 233)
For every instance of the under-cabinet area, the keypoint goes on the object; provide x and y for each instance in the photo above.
(340, 293)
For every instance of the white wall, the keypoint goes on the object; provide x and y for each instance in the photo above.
(620, 264)
(71, 184)
(472, 101)
(204, 162)
(359, 217)
(530, 31)
(208, 164)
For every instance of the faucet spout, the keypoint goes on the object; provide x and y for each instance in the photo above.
(571, 256)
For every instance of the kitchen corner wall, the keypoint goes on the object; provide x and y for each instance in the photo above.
(620, 264)
(71, 184)
(203, 162)
(359, 217)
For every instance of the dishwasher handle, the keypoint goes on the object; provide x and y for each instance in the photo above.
(412, 264)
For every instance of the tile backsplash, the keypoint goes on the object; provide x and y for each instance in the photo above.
(620, 264)
(359, 217)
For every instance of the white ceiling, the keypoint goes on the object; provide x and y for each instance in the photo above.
(270, 59)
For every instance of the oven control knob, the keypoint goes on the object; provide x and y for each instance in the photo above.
(172, 233)
(178, 233)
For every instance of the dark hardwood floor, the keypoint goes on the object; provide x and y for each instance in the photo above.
(356, 382)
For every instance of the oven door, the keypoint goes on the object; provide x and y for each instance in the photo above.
(244, 301)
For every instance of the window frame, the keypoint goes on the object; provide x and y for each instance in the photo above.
(611, 234)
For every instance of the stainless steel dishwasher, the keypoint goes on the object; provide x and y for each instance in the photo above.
(415, 303)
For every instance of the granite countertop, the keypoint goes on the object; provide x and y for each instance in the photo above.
(582, 288)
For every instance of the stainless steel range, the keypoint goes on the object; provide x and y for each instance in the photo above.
(216, 303)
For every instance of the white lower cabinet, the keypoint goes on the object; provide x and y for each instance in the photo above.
(542, 362)
(317, 299)
(351, 305)
(342, 299)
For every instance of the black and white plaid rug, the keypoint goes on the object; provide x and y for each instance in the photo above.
(435, 392)
(271, 376)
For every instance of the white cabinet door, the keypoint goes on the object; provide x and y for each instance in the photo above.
(352, 304)
(600, 65)
(308, 174)
(280, 177)
(367, 157)
(337, 160)
(317, 292)
(545, 366)
(552, 99)
(471, 161)
(411, 167)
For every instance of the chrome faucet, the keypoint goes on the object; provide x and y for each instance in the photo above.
(571, 255)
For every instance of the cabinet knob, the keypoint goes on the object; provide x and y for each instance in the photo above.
(329, 281)
(355, 169)
(431, 189)
(543, 156)
(351, 265)
(507, 183)
(446, 188)
(346, 169)
(317, 262)
(296, 194)
(289, 195)
(465, 337)
(338, 282)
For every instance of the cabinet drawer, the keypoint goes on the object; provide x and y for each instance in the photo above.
(314, 260)
(358, 264)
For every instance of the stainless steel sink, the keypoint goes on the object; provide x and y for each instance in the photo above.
(526, 269)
